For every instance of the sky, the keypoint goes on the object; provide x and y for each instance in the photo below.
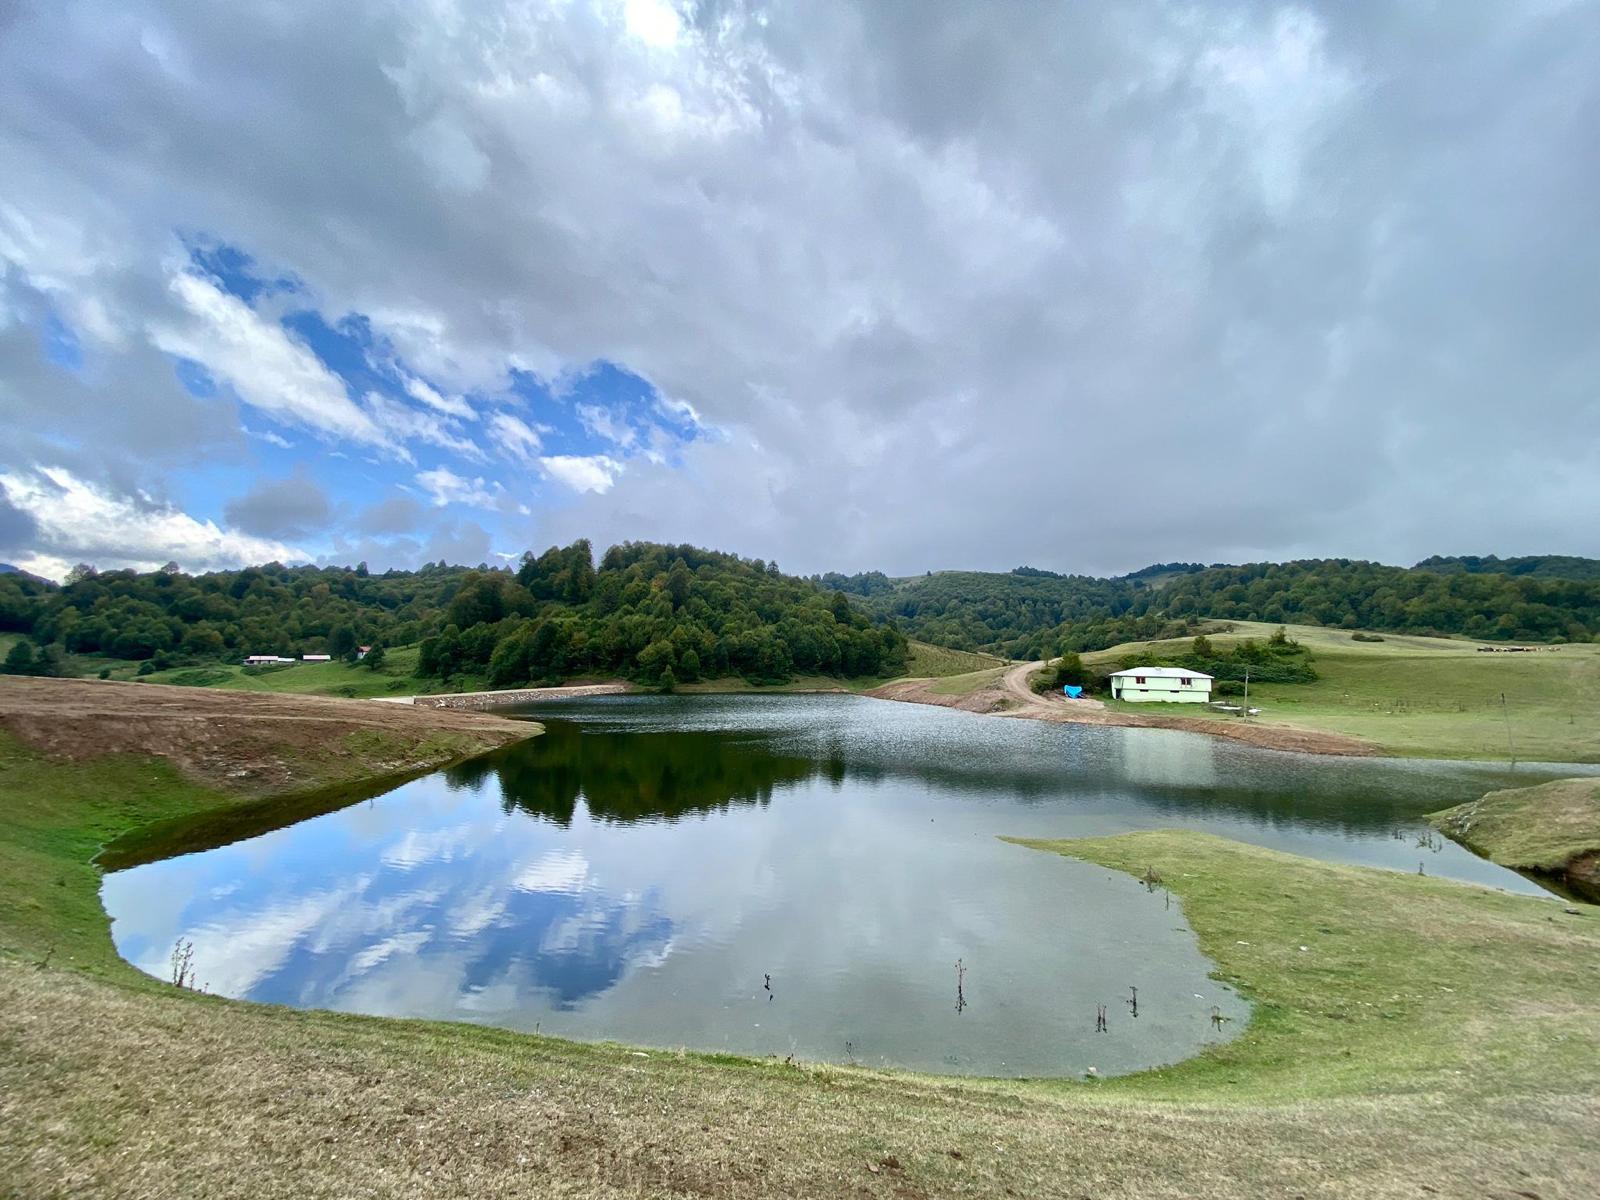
(848, 286)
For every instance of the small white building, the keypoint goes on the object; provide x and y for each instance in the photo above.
(317, 657)
(1170, 685)
(257, 660)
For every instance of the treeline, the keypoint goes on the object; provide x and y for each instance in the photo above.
(1365, 595)
(1536, 566)
(259, 610)
(658, 614)
(1014, 615)
(1277, 659)
(661, 615)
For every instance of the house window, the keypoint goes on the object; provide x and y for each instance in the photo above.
(1185, 682)
(1138, 678)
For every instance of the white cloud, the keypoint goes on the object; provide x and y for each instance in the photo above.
(516, 438)
(583, 473)
(268, 436)
(444, 487)
(79, 521)
(261, 362)
(404, 424)
(602, 424)
(451, 406)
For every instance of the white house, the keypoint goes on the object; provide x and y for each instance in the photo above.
(258, 660)
(1173, 685)
(317, 657)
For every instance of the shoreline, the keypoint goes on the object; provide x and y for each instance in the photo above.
(1011, 697)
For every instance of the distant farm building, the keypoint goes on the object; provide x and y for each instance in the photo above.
(260, 660)
(1170, 685)
(317, 657)
(362, 652)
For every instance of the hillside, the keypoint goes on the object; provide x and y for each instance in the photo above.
(1422, 696)
(655, 614)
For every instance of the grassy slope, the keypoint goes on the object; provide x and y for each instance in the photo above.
(1429, 1033)
(1428, 697)
(1542, 828)
(396, 676)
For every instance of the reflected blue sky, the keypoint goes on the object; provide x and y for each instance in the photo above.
(637, 874)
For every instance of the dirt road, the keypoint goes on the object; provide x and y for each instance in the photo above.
(1011, 696)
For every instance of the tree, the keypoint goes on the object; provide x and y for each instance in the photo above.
(19, 659)
(1202, 648)
(342, 643)
(668, 681)
(374, 658)
(80, 573)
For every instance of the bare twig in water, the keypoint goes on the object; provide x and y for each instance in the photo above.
(961, 989)
(183, 963)
(1217, 1018)
(1133, 1001)
(1100, 1019)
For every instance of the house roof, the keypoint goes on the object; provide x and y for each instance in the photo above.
(1161, 673)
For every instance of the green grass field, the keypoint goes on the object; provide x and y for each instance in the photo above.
(1422, 1035)
(1548, 828)
(1425, 697)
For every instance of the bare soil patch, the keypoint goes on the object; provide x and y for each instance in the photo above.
(244, 743)
(1012, 697)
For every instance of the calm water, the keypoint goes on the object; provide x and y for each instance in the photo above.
(780, 875)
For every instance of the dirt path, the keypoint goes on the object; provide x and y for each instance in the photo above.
(1011, 696)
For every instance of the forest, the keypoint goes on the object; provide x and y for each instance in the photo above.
(1027, 614)
(655, 614)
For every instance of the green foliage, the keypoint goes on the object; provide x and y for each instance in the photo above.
(375, 657)
(1012, 615)
(1535, 566)
(1353, 595)
(19, 659)
(656, 614)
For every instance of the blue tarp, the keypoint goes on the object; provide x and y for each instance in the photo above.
(1072, 692)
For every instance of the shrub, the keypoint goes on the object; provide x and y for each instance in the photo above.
(1366, 637)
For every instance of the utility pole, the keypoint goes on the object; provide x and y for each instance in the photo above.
(1510, 745)
(1246, 713)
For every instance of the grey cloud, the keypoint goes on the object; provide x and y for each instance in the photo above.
(397, 514)
(18, 530)
(941, 271)
(295, 507)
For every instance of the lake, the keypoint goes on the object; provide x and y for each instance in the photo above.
(782, 875)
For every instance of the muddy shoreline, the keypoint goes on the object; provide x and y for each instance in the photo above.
(1010, 697)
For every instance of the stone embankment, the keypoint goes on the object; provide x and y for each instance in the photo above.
(517, 696)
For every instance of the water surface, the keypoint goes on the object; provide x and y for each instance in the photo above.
(781, 876)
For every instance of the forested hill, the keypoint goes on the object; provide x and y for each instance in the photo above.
(1015, 615)
(1029, 614)
(647, 610)
(1532, 566)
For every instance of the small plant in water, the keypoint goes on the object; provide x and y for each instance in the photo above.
(961, 980)
(1133, 1001)
(183, 964)
(1151, 879)
(1100, 1019)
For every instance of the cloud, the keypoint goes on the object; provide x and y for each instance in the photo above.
(294, 507)
(78, 521)
(925, 269)
(18, 529)
(603, 424)
(397, 514)
(403, 424)
(268, 369)
(516, 438)
(451, 406)
(582, 473)
(444, 487)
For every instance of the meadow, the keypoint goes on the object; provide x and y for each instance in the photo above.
(1424, 697)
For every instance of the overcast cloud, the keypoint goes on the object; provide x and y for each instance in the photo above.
(878, 285)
